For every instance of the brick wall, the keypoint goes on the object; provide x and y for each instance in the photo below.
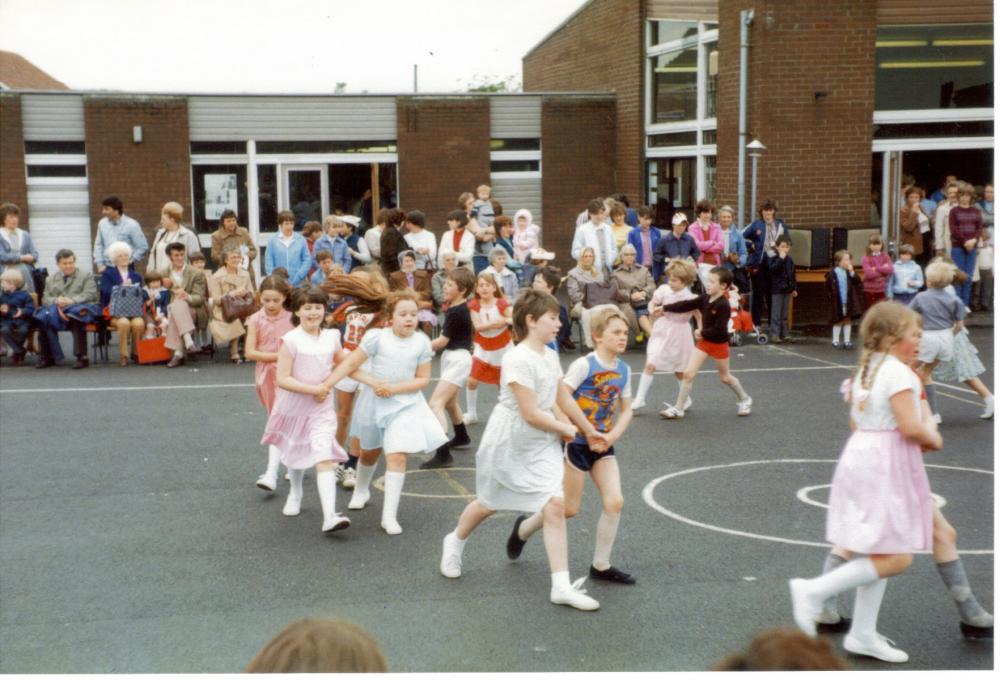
(144, 176)
(444, 150)
(578, 140)
(600, 50)
(818, 160)
(13, 188)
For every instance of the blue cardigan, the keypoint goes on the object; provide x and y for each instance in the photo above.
(294, 257)
(635, 238)
(110, 278)
(754, 234)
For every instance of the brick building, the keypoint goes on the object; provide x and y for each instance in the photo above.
(846, 95)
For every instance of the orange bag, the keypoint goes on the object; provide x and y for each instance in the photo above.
(154, 351)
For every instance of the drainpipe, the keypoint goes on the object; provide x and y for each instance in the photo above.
(746, 18)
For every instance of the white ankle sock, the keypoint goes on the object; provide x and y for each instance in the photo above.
(607, 529)
(836, 332)
(326, 484)
(459, 542)
(737, 387)
(645, 382)
(273, 460)
(847, 333)
(858, 572)
(470, 402)
(560, 579)
(529, 526)
(393, 490)
(867, 603)
(683, 395)
(365, 474)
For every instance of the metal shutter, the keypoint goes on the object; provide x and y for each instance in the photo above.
(220, 119)
(515, 117)
(52, 118)
(517, 193)
(60, 218)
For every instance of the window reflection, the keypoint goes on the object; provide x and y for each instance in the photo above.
(675, 86)
(667, 31)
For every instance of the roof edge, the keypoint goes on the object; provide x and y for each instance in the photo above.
(558, 28)
(350, 95)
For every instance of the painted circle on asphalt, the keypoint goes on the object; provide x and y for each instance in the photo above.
(803, 495)
(647, 496)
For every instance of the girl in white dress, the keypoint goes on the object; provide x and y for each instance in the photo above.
(519, 463)
(401, 421)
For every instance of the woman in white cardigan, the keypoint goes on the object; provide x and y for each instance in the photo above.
(458, 240)
(171, 231)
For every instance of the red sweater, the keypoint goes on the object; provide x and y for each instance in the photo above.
(878, 271)
(965, 223)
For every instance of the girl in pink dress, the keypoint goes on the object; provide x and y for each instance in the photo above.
(264, 331)
(669, 347)
(880, 501)
(303, 421)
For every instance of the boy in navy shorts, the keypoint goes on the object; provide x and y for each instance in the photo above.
(601, 386)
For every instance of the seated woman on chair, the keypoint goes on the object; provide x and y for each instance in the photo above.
(119, 254)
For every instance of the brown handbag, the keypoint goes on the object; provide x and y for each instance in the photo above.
(238, 306)
(595, 294)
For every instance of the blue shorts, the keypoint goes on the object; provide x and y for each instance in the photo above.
(582, 458)
(641, 310)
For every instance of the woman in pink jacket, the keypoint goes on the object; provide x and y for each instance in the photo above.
(878, 270)
(708, 237)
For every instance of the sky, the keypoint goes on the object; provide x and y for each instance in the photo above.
(295, 46)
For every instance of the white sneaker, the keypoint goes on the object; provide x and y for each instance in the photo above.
(671, 413)
(878, 646)
(359, 499)
(744, 407)
(987, 408)
(349, 479)
(292, 506)
(336, 522)
(267, 482)
(937, 418)
(392, 527)
(688, 403)
(469, 419)
(804, 609)
(574, 596)
(637, 404)
(829, 617)
(451, 557)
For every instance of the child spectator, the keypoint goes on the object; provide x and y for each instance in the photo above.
(505, 278)
(982, 289)
(491, 318)
(844, 288)
(670, 345)
(320, 646)
(311, 231)
(333, 242)
(16, 310)
(783, 286)
(907, 277)
(943, 316)
(326, 266)
(202, 336)
(547, 279)
(713, 341)
(481, 216)
(157, 301)
(708, 237)
(644, 239)
(877, 267)
(482, 208)
(526, 235)
(601, 387)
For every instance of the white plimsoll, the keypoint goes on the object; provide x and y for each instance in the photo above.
(805, 608)
(671, 413)
(470, 419)
(573, 595)
(878, 646)
(349, 479)
(267, 482)
(293, 505)
(744, 407)
(451, 556)
(638, 404)
(390, 504)
(987, 408)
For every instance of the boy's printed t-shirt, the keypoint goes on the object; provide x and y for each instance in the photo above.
(598, 390)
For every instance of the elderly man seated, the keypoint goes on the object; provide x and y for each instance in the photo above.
(186, 310)
(69, 302)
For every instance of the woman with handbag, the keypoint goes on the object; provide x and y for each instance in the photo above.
(171, 231)
(231, 290)
(588, 289)
(122, 295)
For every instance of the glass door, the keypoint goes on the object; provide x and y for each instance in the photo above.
(305, 190)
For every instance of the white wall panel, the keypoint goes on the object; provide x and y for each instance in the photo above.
(515, 117)
(517, 193)
(52, 117)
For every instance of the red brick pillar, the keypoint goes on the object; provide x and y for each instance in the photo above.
(13, 187)
(444, 150)
(578, 151)
(145, 175)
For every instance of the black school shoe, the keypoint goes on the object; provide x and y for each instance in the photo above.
(442, 459)
(970, 632)
(613, 575)
(514, 544)
(841, 626)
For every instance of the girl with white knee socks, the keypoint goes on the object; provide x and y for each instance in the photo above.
(880, 500)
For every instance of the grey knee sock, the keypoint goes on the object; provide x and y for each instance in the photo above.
(931, 397)
(969, 610)
(831, 609)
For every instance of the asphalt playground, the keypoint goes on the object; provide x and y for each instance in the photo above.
(133, 539)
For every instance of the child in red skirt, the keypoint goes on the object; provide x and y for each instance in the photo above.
(712, 341)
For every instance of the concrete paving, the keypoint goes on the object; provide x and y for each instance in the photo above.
(132, 538)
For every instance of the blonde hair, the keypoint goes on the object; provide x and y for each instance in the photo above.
(872, 240)
(173, 210)
(14, 276)
(602, 318)
(320, 646)
(839, 256)
(939, 274)
(331, 221)
(682, 269)
(485, 186)
(884, 321)
(497, 290)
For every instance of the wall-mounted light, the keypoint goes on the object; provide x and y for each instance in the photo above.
(819, 94)
(137, 134)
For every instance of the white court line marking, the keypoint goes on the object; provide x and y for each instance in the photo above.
(803, 495)
(140, 388)
(647, 496)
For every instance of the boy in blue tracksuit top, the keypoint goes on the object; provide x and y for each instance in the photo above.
(16, 310)
(907, 277)
(601, 386)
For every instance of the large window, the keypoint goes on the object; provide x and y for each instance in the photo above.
(674, 86)
(217, 188)
(934, 67)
